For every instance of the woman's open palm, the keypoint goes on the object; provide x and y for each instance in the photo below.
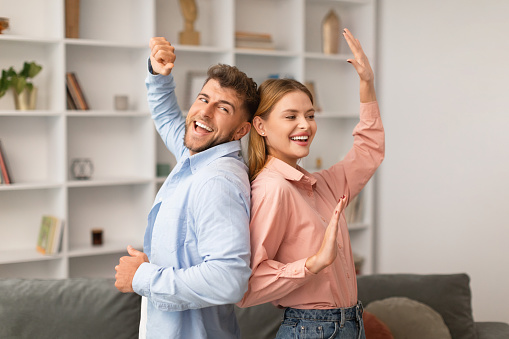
(329, 249)
(360, 61)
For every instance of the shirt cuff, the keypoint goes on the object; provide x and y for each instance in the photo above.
(296, 269)
(370, 110)
(141, 279)
(158, 78)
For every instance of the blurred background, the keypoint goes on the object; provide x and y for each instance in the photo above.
(443, 187)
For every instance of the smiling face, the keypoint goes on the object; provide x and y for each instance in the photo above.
(216, 117)
(289, 128)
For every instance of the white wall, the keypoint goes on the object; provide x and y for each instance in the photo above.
(443, 196)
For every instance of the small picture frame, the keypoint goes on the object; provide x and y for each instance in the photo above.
(195, 81)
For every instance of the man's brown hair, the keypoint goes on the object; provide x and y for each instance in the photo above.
(231, 77)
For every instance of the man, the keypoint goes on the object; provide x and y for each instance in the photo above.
(195, 262)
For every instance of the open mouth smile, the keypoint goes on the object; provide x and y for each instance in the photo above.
(300, 138)
(202, 126)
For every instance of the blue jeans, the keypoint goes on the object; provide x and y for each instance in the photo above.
(339, 323)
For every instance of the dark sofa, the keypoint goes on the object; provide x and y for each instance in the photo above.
(93, 308)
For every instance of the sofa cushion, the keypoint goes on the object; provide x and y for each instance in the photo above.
(69, 308)
(375, 328)
(408, 318)
(260, 321)
(449, 295)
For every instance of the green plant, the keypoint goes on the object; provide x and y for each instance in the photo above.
(19, 81)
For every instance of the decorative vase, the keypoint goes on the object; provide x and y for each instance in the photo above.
(330, 33)
(26, 100)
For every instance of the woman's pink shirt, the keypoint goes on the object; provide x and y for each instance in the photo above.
(290, 211)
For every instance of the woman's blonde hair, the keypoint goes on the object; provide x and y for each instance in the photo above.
(271, 91)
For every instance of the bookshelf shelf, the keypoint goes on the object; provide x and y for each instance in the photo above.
(108, 182)
(106, 113)
(261, 52)
(30, 186)
(25, 255)
(110, 248)
(35, 113)
(28, 39)
(358, 226)
(109, 59)
(104, 44)
(328, 57)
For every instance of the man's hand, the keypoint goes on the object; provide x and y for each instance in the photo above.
(162, 56)
(127, 268)
(328, 251)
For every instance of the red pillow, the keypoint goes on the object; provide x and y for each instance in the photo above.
(375, 328)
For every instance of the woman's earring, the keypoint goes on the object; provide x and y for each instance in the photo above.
(263, 133)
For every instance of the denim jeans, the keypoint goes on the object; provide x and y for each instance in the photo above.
(339, 323)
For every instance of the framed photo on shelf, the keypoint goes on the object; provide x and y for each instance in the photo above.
(195, 81)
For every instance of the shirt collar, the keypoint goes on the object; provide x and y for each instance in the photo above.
(204, 158)
(289, 172)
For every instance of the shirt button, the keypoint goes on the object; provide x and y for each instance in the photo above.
(310, 194)
(323, 219)
(348, 275)
(284, 268)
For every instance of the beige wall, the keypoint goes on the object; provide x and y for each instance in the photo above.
(443, 201)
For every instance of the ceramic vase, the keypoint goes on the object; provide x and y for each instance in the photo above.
(330, 33)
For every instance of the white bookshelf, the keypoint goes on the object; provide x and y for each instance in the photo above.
(110, 59)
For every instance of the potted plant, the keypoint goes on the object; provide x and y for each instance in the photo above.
(23, 90)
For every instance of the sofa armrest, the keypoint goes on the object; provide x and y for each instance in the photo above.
(492, 330)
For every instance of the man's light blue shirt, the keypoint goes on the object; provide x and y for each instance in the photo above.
(197, 238)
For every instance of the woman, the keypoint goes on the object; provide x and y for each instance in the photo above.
(298, 261)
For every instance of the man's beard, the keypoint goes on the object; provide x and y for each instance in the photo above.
(209, 144)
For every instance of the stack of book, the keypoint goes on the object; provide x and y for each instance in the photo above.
(50, 235)
(254, 40)
(5, 177)
(75, 97)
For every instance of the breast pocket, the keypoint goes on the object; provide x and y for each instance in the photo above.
(169, 231)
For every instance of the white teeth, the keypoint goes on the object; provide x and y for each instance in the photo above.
(199, 124)
(303, 138)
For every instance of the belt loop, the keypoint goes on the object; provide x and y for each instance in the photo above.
(342, 323)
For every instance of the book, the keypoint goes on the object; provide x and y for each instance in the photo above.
(75, 91)
(50, 235)
(56, 240)
(4, 170)
(254, 40)
(240, 35)
(70, 101)
(269, 45)
(72, 19)
(44, 232)
(83, 100)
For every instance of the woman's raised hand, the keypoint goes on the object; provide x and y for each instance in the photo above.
(329, 249)
(361, 64)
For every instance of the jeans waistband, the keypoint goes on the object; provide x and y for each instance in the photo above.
(335, 314)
